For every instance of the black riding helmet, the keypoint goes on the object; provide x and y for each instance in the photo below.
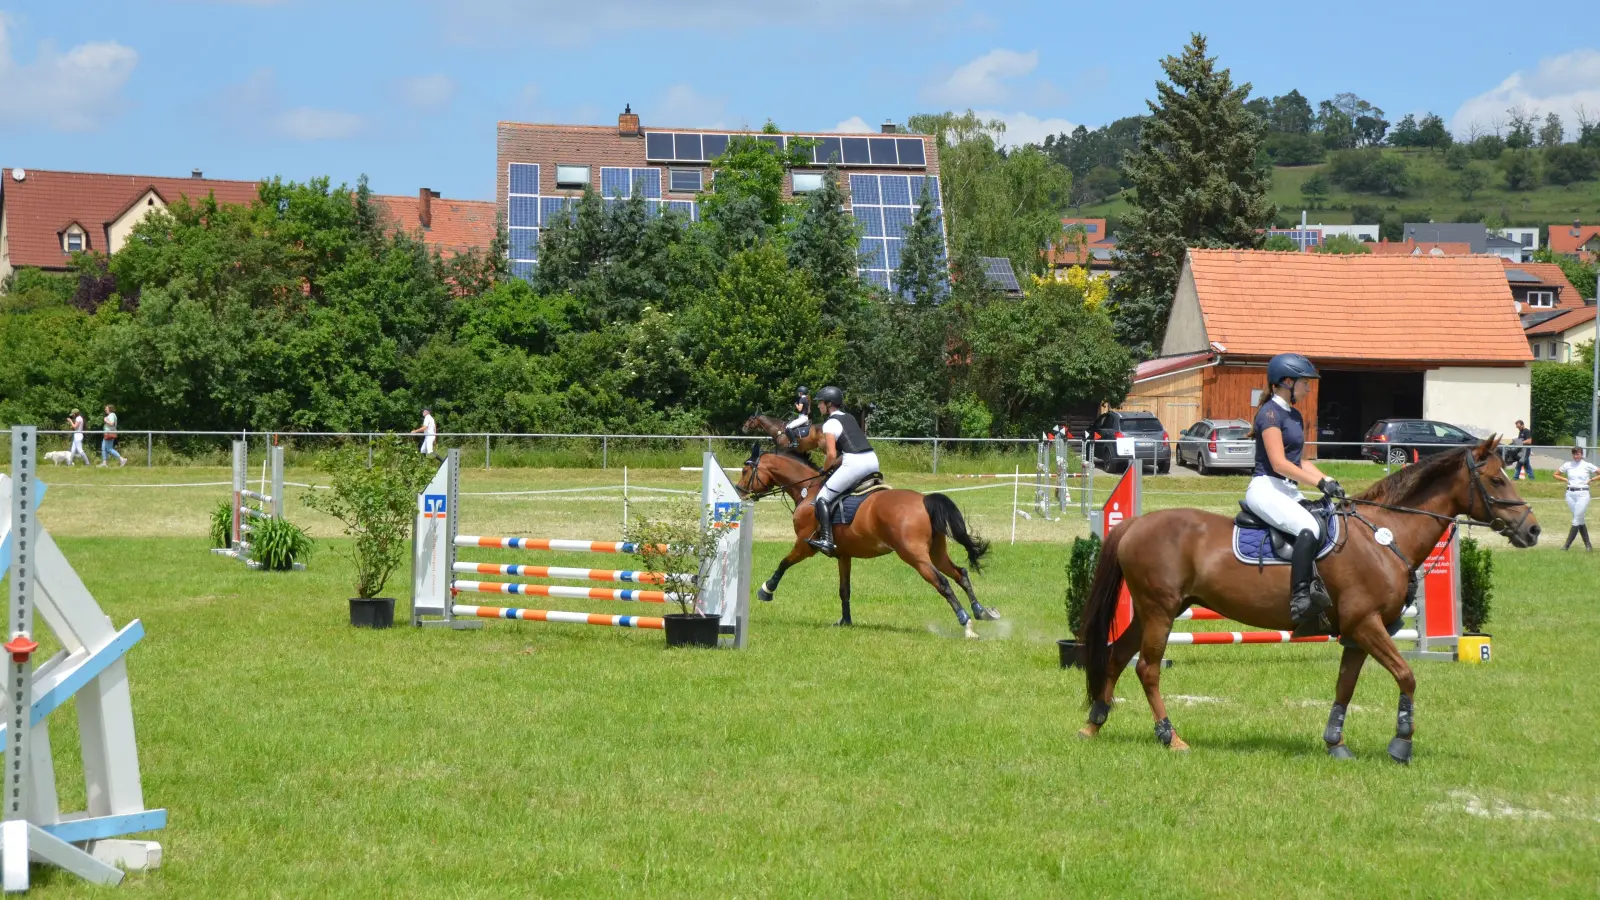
(831, 396)
(802, 395)
(1289, 366)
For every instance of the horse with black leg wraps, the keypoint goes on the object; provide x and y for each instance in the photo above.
(1174, 558)
(914, 527)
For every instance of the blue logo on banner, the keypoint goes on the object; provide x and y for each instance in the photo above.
(433, 506)
(725, 512)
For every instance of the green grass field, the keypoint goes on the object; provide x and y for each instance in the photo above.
(1435, 195)
(302, 758)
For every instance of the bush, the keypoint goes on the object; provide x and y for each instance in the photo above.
(683, 539)
(276, 544)
(222, 525)
(377, 504)
(1080, 576)
(1560, 401)
(1477, 584)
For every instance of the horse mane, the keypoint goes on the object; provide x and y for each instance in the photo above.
(796, 456)
(1403, 487)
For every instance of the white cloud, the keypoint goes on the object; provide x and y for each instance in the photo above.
(1562, 84)
(682, 106)
(1026, 128)
(985, 79)
(80, 90)
(853, 125)
(428, 93)
(256, 106)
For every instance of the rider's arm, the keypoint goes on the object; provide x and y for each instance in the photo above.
(1306, 474)
(1557, 473)
(831, 446)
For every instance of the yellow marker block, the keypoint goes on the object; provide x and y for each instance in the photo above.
(1473, 648)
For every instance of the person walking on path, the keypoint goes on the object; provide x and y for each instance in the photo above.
(75, 422)
(429, 432)
(1525, 456)
(108, 441)
(1577, 474)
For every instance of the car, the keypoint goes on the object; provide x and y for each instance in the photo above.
(1212, 444)
(1401, 441)
(1122, 436)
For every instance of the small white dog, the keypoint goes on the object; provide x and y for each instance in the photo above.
(60, 457)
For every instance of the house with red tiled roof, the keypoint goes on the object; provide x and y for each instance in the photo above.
(1555, 336)
(47, 216)
(1577, 240)
(449, 226)
(1394, 336)
(1083, 242)
(1540, 286)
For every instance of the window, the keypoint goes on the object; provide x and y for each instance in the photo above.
(1541, 299)
(1091, 228)
(74, 242)
(1552, 350)
(1450, 432)
(1536, 350)
(685, 181)
(806, 182)
(572, 176)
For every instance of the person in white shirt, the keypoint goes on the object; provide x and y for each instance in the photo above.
(75, 422)
(1577, 474)
(429, 432)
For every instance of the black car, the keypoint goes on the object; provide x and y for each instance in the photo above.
(1120, 437)
(1401, 441)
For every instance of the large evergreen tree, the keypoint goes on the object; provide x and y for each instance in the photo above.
(923, 276)
(824, 244)
(1196, 183)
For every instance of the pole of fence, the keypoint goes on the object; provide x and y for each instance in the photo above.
(486, 453)
(1016, 479)
(1088, 477)
(149, 449)
(936, 456)
(624, 498)
(369, 451)
(605, 453)
(1594, 402)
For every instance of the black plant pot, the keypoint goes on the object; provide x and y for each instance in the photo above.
(377, 612)
(1071, 654)
(692, 629)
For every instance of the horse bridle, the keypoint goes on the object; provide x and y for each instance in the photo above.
(1481, 494)
(774, 488)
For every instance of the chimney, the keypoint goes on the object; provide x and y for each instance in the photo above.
(425, 207)
(888, 127)
(1576, 229)
(196, 173)
(628, 122)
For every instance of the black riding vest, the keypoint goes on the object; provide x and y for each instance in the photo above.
(853, 440)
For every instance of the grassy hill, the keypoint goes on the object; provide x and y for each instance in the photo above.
(1435, 193)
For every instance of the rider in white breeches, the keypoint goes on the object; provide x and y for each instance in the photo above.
(1577, 474)
(849, 455)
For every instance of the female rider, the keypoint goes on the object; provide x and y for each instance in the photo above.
(797, 427)
(1280, 443)
(847, 448)
(1577, 474)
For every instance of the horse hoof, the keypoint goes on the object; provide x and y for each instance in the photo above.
(1340, 751)
(986, 614)
(843, 623)
(1400, 750)
(1177, 745)
(1088, 732)
(764, 594)
(972, 635)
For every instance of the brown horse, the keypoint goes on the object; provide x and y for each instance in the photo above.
(910, 525)
(1174, 558)
(773, 428)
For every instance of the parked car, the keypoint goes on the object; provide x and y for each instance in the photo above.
(1120, 429)
(1401, 441)
(1212, 444)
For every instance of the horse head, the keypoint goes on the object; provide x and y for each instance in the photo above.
(1492, 493)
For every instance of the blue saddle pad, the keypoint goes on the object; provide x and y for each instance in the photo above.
(844, 512)
(1254, 545)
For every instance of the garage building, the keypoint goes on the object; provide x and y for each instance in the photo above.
(1394, 336)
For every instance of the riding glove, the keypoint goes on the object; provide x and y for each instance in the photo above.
(1331, 488)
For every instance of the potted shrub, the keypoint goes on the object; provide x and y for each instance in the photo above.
(683, 540)
(277, 544)
(1477, 587)
(377, 504)
(1080, 575)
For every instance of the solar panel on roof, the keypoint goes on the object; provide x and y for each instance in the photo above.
(882, 151)
(714, 145)
(658, 145)
(687, 147)
(1520, 276)
(998, 272)
(911, 151)
(828, 150)
(524, 178)
(856, 152)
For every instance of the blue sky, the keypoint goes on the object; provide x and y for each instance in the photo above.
(408, 92)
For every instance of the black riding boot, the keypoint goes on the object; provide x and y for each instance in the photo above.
(823, 540)
(1572, 535)
(1584, 530)
(1303, 609)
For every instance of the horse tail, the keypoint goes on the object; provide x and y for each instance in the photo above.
(1100, 611)
(947, 519)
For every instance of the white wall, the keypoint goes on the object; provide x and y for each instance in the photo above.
(120, 230)
(5, 248)
(1518, 234)
(1483, 400)
(1359, 232)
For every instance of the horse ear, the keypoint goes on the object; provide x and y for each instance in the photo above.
(1486, 447)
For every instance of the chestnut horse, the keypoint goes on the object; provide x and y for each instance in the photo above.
(773, 428)
(910, 525)
(1174, 558)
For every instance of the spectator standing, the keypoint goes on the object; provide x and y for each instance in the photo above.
(75, 422)
(108, 441)
(1577, 474)
(429, 432)
(1525, 457)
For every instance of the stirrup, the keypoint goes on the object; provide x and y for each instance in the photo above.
(826, 548)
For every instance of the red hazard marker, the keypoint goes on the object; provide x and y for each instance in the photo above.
(21, 647)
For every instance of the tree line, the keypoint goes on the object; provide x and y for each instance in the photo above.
(303, 311)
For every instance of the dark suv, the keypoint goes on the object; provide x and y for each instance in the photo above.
(1401, 441)
(1137, 435)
